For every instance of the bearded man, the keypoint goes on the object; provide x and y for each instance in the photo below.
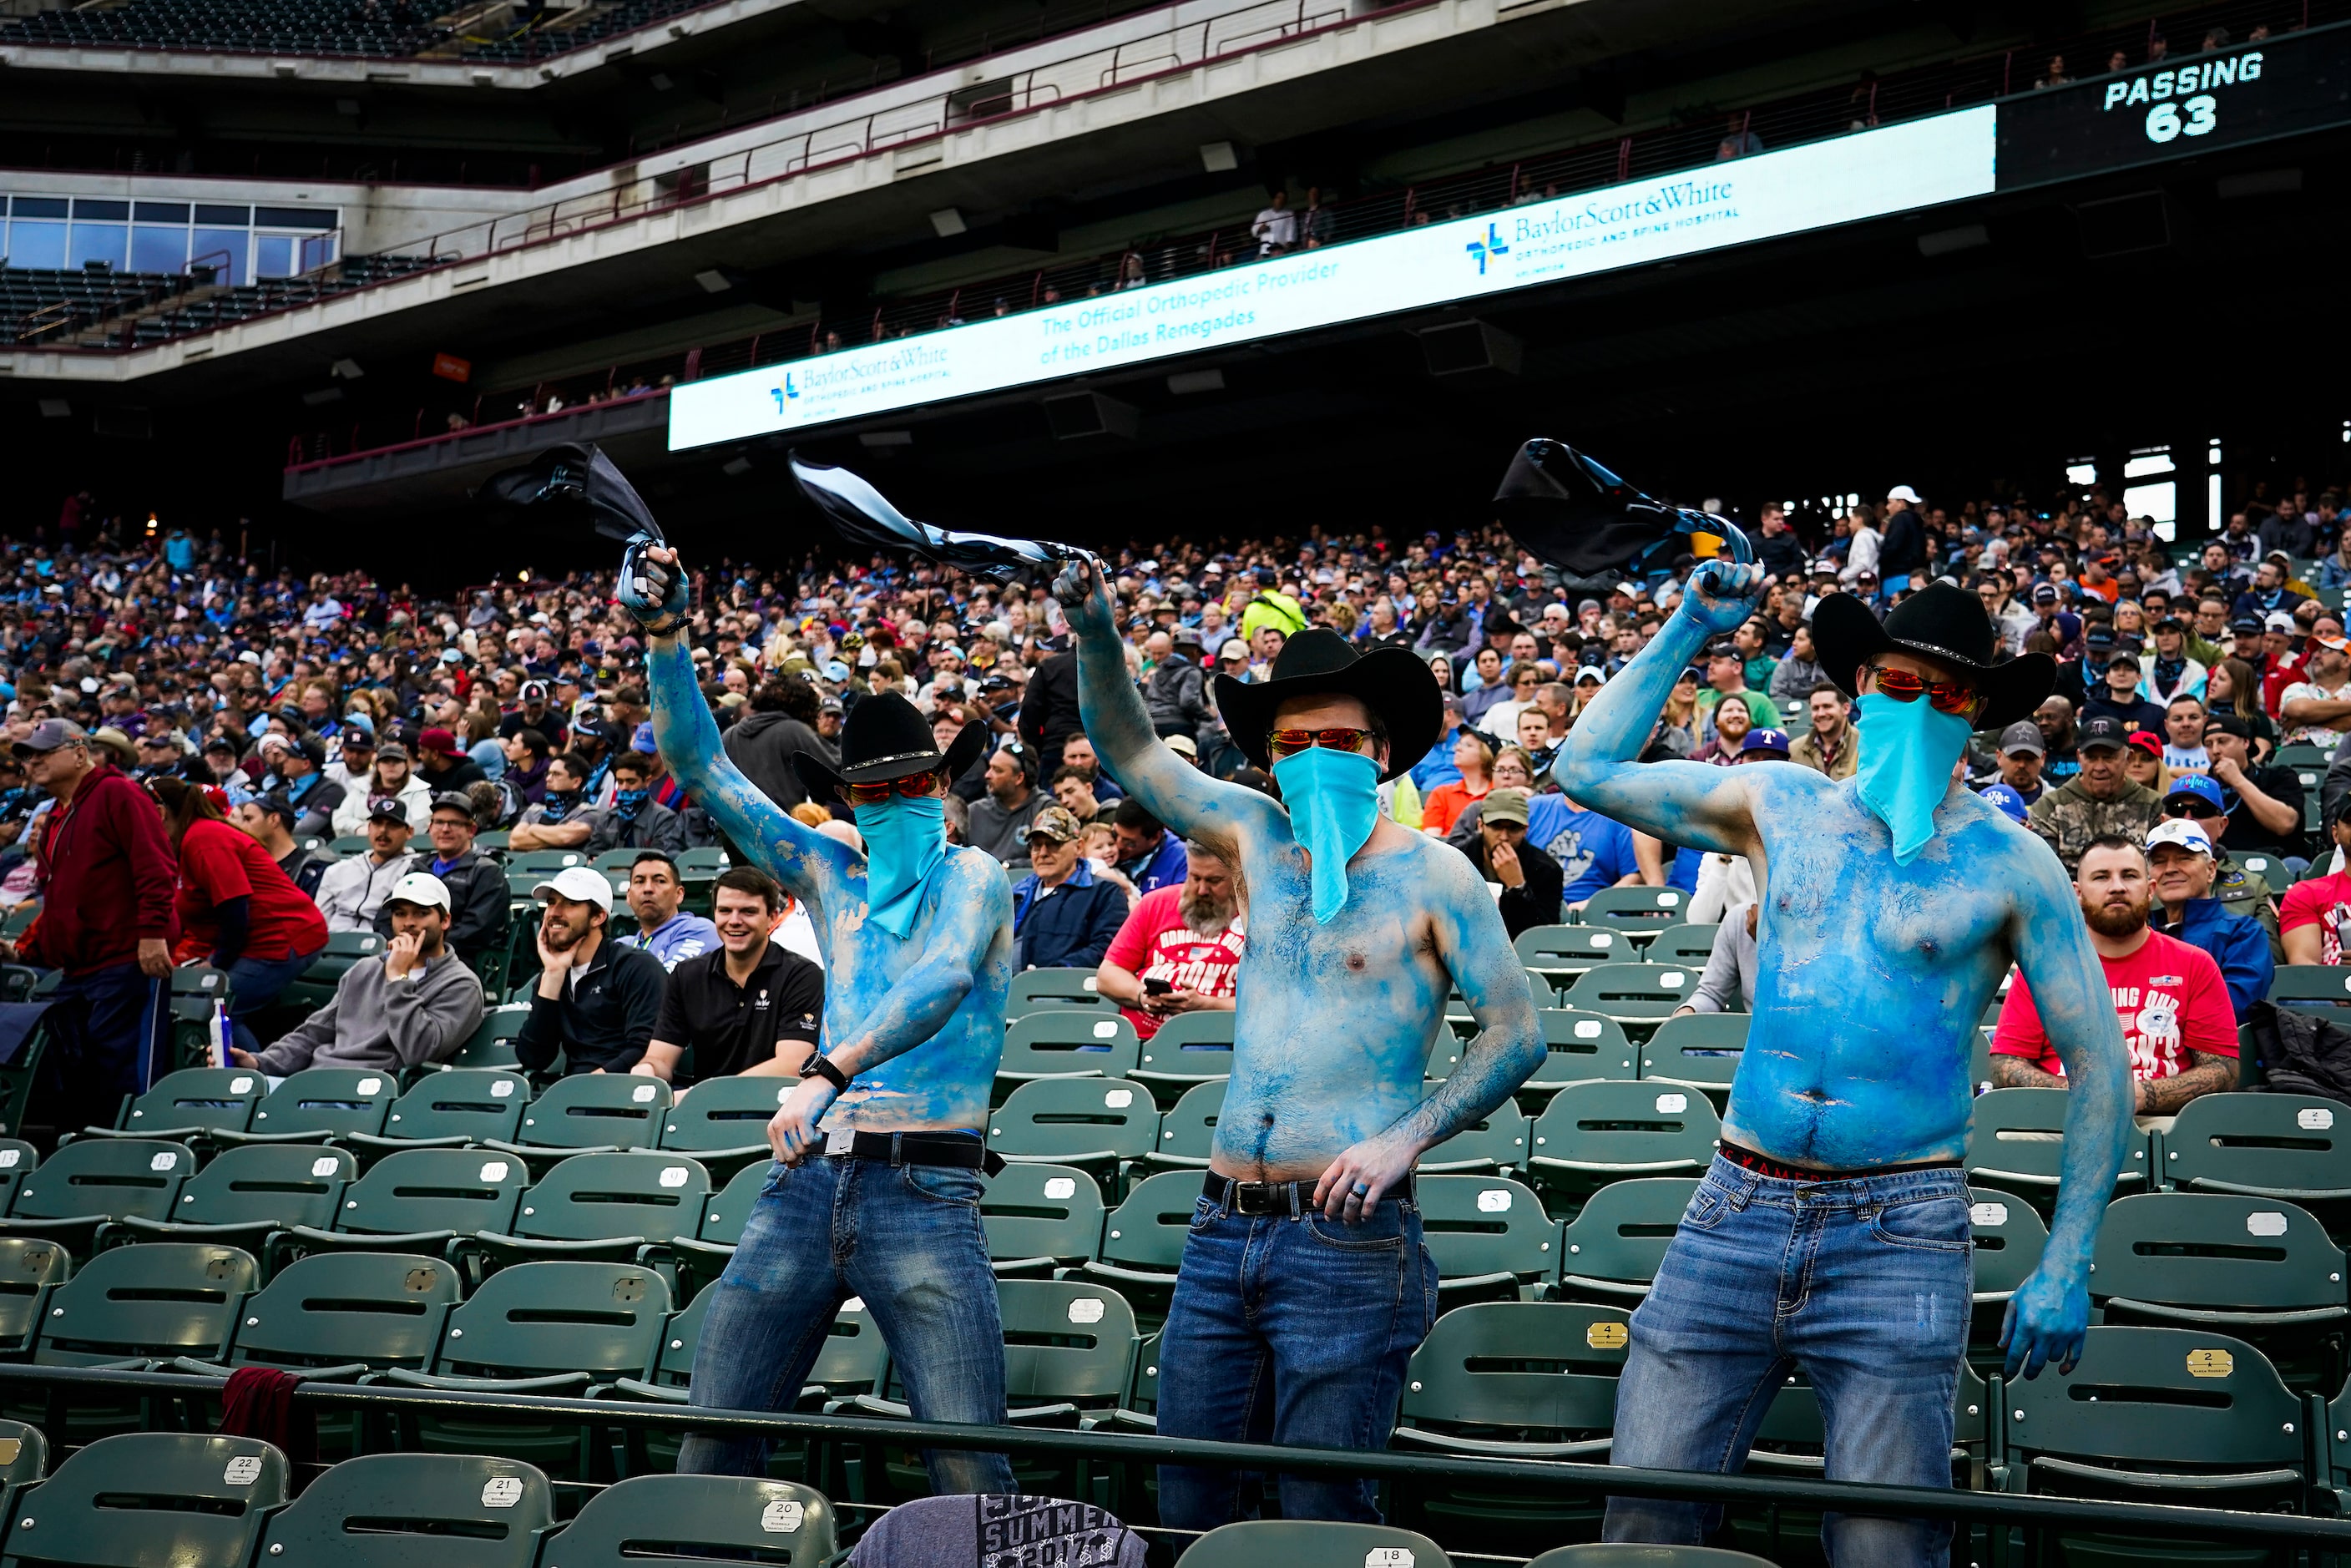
(1180, 949)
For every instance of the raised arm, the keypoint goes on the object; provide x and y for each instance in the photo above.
(1507, 1048)
(808, 864)
(1188, 801)
(2049, 1313)
(1679, 802)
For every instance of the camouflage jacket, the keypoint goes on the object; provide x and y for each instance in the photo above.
(2242, 892)
(2067, 818)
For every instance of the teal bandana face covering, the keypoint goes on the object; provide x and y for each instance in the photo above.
(1908, 752)
(1334, 800)
(905, 840)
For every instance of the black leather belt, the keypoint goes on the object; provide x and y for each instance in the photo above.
(920, 1149)
(1259, 1198)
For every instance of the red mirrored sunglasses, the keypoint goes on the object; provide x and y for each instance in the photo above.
(1289, 742)
(1945, 697)
(914, 787)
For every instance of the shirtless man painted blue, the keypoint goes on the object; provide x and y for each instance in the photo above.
(1830, 1233)
(882, 1201)
(1304, 1288)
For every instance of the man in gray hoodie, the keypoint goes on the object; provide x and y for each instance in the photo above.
(414, 1005)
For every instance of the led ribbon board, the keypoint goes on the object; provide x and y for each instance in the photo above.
(1821, 184)
(2177, 108)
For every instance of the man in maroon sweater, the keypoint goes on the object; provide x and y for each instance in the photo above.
(108, 883)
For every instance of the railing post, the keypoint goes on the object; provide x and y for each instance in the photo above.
(1624, 159)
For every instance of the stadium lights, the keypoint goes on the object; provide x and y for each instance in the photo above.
(714, 280)
(1218, 157)
(948, 223)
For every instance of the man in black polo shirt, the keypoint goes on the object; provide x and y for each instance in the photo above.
(2263, 803)
(750, 1008)
(596, 1000)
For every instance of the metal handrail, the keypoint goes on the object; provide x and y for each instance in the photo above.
(2157, 1520)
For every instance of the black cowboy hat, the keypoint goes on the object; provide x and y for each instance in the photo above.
(885, 737)
(1947, 624)
(1392, 682)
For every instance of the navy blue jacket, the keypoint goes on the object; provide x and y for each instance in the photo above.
(2236, 943)
(1073, 928)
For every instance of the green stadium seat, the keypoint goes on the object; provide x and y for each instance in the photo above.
(1496, 1142)
(1143, 1240)
(1529, 1380)
(1701, 1050)
(1067, 1042)
(1555, 957)
(1610, 1251)
(144, 1303)
(1188, 1049)
(557, 1328)
(1139, 1410)
(145, 1499)
(691, 1521)
(245, 1195)
(27, 1269)
(189, 1103)
(2018, 1144)
(24, 1459)
(1637, 994)
(1312, 1543)
(1689, 945)
(315, 1104)
(1580, 1046)
(1036, 988)
(418, 1200)
(492, 1042)
(1488, 1235)
(448, 1110)
(2295, 1148)
(1095, 1123)
(2160, 1414)
(1591, 1135)
(388, 1511)
(590, 1111)
(347, 1313)
(702, 1257)
(1040, 1219)
(18, 1160)
(91, 1181)
(1188, 1133)
(723, 1122)
(314, 988)
(601, 1206)
(2009, 1239)
(1639, 913)
(2321, 989)
(541, 864)
(2257, 1268)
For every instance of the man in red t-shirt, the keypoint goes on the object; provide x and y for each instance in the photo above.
(1180, 949)
(2169, 997)
(2315, 915)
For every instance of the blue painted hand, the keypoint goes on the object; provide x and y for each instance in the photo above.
(793, 1131)
(2048, 1320)
(1722, 596)
(1354, 1183)
(651, 587)
(1081, 589)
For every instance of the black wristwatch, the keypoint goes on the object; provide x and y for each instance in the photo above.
(817, 1066)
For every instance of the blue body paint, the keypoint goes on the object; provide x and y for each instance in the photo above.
(918, 1021)
(1872, 974)
(1334, 1020)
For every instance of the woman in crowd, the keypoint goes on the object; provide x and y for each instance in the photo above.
(1474, 755)
(392, 778)
(2142, 760)
(239, 911)
(2230, 686)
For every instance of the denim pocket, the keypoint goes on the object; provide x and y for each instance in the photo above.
(941, 1184)
(1707, 1206)
(1380, 1231)
(1203, 1211)
(1937, 1224)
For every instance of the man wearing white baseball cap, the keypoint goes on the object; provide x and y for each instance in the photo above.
(411, 1007)
(2181, 868)
(596, 1002)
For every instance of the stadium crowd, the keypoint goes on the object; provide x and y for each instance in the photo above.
(323, 754)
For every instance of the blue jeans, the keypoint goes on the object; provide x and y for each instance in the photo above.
(253, 984)
(1864, 1284)
(907, 1240)
(1290, 1328)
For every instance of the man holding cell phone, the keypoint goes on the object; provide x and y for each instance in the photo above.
(1180, 949)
